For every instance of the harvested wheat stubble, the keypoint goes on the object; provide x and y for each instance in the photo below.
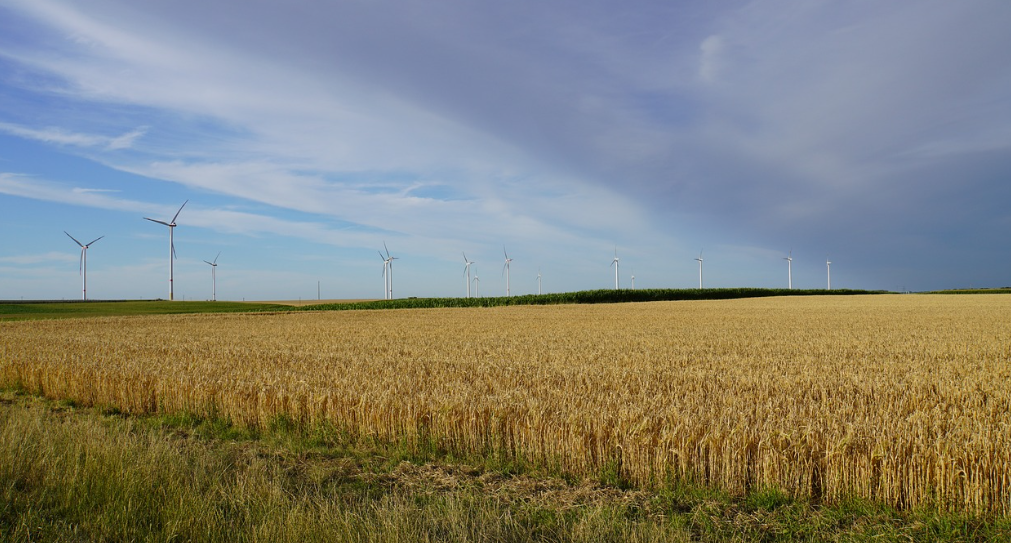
(902, 399)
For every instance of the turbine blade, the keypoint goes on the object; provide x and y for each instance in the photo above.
(216, 259)
(180, 210)
(387, 250)
(94, 240)
(157, 221)
(73, 238)
(80, 264)
(209, 263)
(174, 251)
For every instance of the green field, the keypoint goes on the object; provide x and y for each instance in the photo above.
(57, 310)
(11, 310)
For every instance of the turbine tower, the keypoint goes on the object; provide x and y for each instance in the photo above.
(505, 268)
(172, 247)
(386, 276)
(214, 280)
(828, 268)
(477, 286)
(466, 271)
(83, 266)
(615, 264)
(538, 281)
(789, 270)
(700, 268)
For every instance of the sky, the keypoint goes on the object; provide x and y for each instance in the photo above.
(305, 135)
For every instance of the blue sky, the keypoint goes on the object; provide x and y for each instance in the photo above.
(305, 134)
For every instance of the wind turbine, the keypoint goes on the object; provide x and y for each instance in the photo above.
(466, 271)
(828, 268)
(538, 281)
(615, 264)
(505, 268)
(83, 266)
(633, 279)
(388, 275)
(477, 286)
(172, 247)
(214, 280)
(789, 269)
(700, 268)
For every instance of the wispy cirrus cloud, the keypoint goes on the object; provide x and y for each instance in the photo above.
(59, 136)
(41, 258)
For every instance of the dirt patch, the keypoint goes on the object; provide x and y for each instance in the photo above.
(548, 492)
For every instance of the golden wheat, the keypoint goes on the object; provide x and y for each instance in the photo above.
(902, 399)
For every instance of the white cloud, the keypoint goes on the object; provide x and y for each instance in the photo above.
(711, 49)
(42, 258)
(62, 137)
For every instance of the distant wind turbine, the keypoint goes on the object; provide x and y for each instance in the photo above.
(615, 264)
(83, 266)
(477, 286)
(700, 268)
(466, 271)
(214, 279)
(828, 268)
(633, 279)
(505, 268)
(538, 281)
(789, 269)
(387, 272)
(172, 247)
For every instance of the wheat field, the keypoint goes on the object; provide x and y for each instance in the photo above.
(903, 399)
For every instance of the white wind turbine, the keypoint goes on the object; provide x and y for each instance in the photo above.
(214, 279)
(789, 269)
(477, 286)
(466, 271)
(828, 268)
(538, 281)
(172, 248)
(700, 268)
(615, 264)
(387, 272)
(633, 278)
(83, 266)
(505, 268)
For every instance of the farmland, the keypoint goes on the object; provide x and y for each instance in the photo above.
(902, 400)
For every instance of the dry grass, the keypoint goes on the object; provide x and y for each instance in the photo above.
(902, 399)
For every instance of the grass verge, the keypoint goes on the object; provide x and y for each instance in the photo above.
(73, 473)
